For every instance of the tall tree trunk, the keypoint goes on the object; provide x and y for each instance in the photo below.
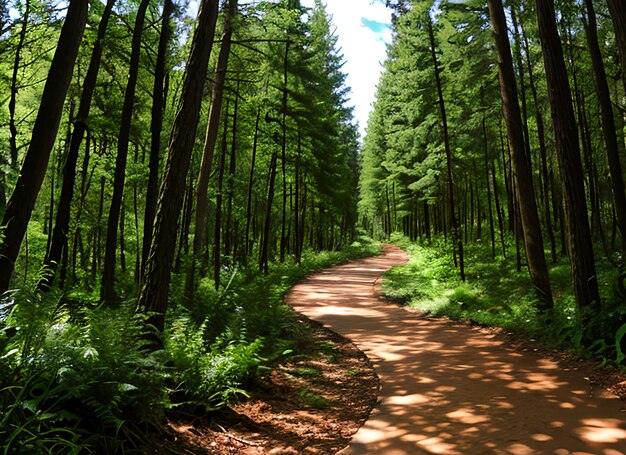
(263, 257)
(22, 201)
(522, 85)
(608, 123)
(212, 130)
(499, 210)
(14, 86)
(156, 127)
(491, 223)
(542, 147)
(229, 238)
(154, 294)
(529, 216)
(617, 9)
(283, 160)
(217, 243)
(456, 235)
(248, 248)
(297, 201)
(62, 221)
(107, 293)
(580, 247)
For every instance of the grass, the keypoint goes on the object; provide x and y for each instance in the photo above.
(314, 400)
(496, 294)
(304, 372)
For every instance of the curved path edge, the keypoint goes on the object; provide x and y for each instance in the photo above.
(448, 388)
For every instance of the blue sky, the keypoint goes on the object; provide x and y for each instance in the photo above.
(362, 28)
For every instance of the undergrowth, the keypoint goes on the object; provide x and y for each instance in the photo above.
(496, 294)
(76, 377)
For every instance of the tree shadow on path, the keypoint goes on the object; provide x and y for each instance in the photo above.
(448, 388)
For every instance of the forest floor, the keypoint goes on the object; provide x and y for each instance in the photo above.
(309, 404)
(445, 387)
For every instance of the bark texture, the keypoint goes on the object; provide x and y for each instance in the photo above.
(22, 201)
(529, 217)
(154, 294)
(579, 243)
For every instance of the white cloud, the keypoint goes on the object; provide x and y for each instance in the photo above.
(363, 47)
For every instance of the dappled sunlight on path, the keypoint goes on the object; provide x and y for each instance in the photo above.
(447, 388)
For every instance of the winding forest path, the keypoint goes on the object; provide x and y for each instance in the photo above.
(447, 388)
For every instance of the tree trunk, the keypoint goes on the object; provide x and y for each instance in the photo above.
(263, 257)
(608, 123)
(156, 127)
(62, 221)
(283, 160)
(231, 235)
(618, 15)
(217, 243)
(580, 247)
(529, 217)
(212, 130)
(248, 248)
(456, 235)
(22, 201)
(542, 148)
(14, 87)
(153, 298)
(491, 223)
(107, 293)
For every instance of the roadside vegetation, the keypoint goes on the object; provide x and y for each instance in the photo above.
(496, 294)
(76, 377)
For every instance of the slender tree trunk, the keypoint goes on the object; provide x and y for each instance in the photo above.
(529, 216)
(608, 123)
(496, 199)
(62, 221)
(156, 127)
(491, 224)
(14, 86)
(107, 292)
(283, 160)
(248, 247)
(456, 235)
(154, 294)
(580, 247)
(618, 15)
(123, 237)
(22, 201)
(542, 148)
(229, 238)
(183, 238)
(427, 220)
(297, 202)
(212, 130)
(263, 258)
(217, 252)
(522, 86)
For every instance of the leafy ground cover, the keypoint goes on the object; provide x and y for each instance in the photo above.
(496, 294)
(75, 377)
(311, 403)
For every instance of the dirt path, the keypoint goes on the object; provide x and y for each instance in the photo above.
(447, 388)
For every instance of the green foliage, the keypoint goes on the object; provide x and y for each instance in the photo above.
(74, 383)
(303, 372)
(314, 400)
(496, 294)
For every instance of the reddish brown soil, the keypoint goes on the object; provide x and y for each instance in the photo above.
(447, 387)
(310, 405)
